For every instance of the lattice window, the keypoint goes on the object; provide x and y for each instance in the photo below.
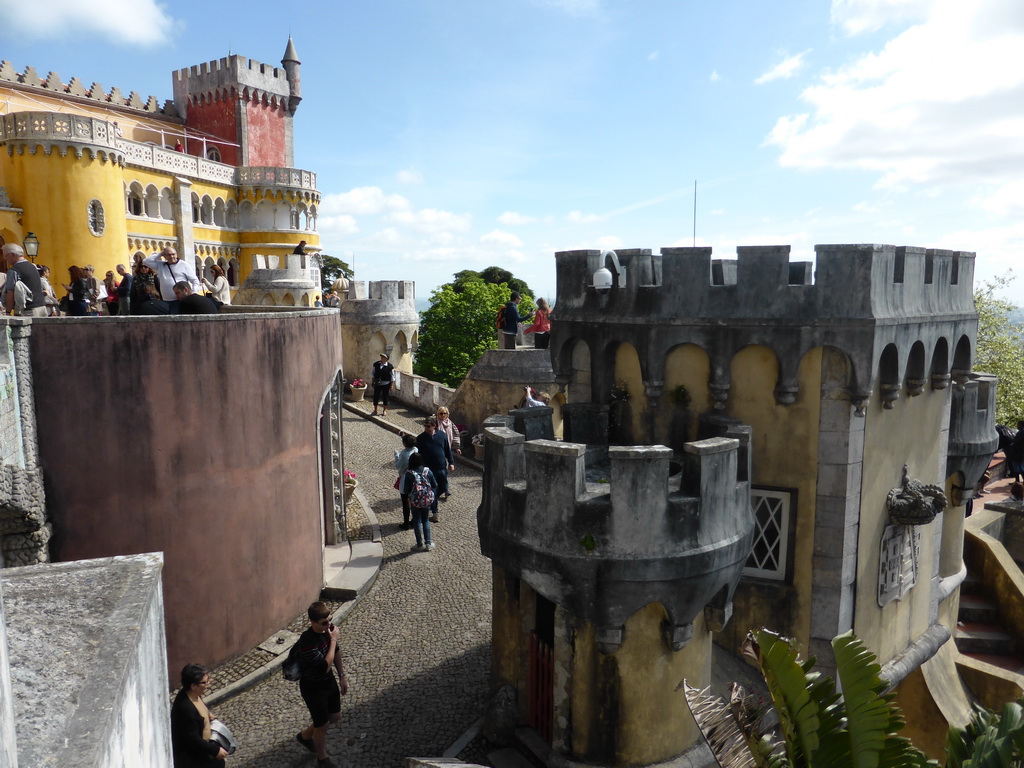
(97, 222)
(772, 515)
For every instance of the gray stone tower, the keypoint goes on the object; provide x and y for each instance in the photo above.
(379, 316)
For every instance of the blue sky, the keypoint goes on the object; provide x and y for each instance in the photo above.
(463, 133)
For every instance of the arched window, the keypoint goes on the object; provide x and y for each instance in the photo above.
(231, 215)
(218, 213)
(152, 202)
(212, 153)
(97, 223)
(195, 208)
(246, 216)
(136, 206)
(166, 204)
(206, 210)
(265, 215)
(233, 273)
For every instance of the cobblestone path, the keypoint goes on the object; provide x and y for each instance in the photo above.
(416, 649)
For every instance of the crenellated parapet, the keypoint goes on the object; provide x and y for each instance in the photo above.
(603, 542)
(378, 316)
(230, 77)
(30, 79)
(289, 280)
(903, 317)
(381, 301)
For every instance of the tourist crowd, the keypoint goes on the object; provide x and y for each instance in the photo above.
(161, 284)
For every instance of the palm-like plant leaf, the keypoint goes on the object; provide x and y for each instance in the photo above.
(870, 717)
(786, 678)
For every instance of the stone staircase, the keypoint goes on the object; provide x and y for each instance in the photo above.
(980, 633)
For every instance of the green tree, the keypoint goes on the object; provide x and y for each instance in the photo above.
(492, 275)
(459, 327)
(1000, 349)
(331, 269)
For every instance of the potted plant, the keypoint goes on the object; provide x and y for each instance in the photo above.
(478, 446)
(357, 388)
(350, 483)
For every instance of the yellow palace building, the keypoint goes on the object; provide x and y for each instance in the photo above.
(98, 177)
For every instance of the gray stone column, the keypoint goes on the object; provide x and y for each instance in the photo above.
(186, 232)
(836, 523)
(8, 747)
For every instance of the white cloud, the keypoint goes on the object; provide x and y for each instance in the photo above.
(409, 176)
(1006, 200)
(714, 77)
(939, 103)
(574, 7)
(132, 22)
(653, 55)
(512, 219)
(607, 243)
(578, 217)
(363, 201)
(857, 16)
(388, 237)
(430, 220)
(336, 226)
(500, 237)
(785, 69)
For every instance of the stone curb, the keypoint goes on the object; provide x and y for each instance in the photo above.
(238, 686)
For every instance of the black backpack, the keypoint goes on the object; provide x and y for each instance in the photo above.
(292, 667)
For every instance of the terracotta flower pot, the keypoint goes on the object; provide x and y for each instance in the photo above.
(356, 395)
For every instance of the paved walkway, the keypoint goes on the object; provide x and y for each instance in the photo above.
(416, 647)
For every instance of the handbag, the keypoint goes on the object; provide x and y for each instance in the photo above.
(398, 481)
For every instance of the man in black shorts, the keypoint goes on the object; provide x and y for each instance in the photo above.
(318, 652)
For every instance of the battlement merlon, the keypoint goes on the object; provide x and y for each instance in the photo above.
(850, 282)
(77, 91)
(232, 72)
(607, 550)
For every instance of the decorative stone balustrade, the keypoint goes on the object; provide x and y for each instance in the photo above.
(64, 130)
(264, 176)
(160, 159)
(61, 130)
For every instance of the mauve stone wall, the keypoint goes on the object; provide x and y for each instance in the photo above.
(196, 437)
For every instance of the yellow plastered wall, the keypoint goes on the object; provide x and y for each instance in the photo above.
(627, 372)
(687, 365)
(906, 434)
(55, 193)
(625, 706)
(785, 455)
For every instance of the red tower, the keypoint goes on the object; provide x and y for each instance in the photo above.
(239, 111)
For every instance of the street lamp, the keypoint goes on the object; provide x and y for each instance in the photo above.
(31, 245)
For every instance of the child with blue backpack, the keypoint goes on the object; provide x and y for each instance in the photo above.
(421, 488)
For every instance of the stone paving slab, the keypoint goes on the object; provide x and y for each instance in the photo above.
(416, 647)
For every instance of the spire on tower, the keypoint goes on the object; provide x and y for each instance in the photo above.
(290, 53)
